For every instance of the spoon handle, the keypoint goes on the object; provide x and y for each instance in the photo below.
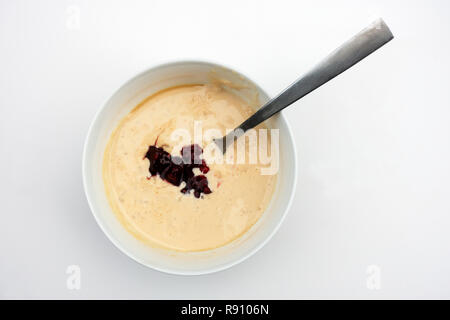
(350, 53)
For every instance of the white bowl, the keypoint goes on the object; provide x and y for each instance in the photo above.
(183, 263)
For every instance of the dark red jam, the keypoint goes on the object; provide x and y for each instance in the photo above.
(175, 169)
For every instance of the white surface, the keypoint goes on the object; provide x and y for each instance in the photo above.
(374, 151)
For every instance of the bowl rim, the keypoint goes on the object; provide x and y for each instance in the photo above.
(116, 242)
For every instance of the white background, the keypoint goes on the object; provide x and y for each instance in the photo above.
(373, 144)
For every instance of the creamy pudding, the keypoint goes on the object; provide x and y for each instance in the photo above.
(152, 205)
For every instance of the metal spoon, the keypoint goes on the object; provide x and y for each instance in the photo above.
(354, 50)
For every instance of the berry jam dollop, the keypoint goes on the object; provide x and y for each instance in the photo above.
(176, 169)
